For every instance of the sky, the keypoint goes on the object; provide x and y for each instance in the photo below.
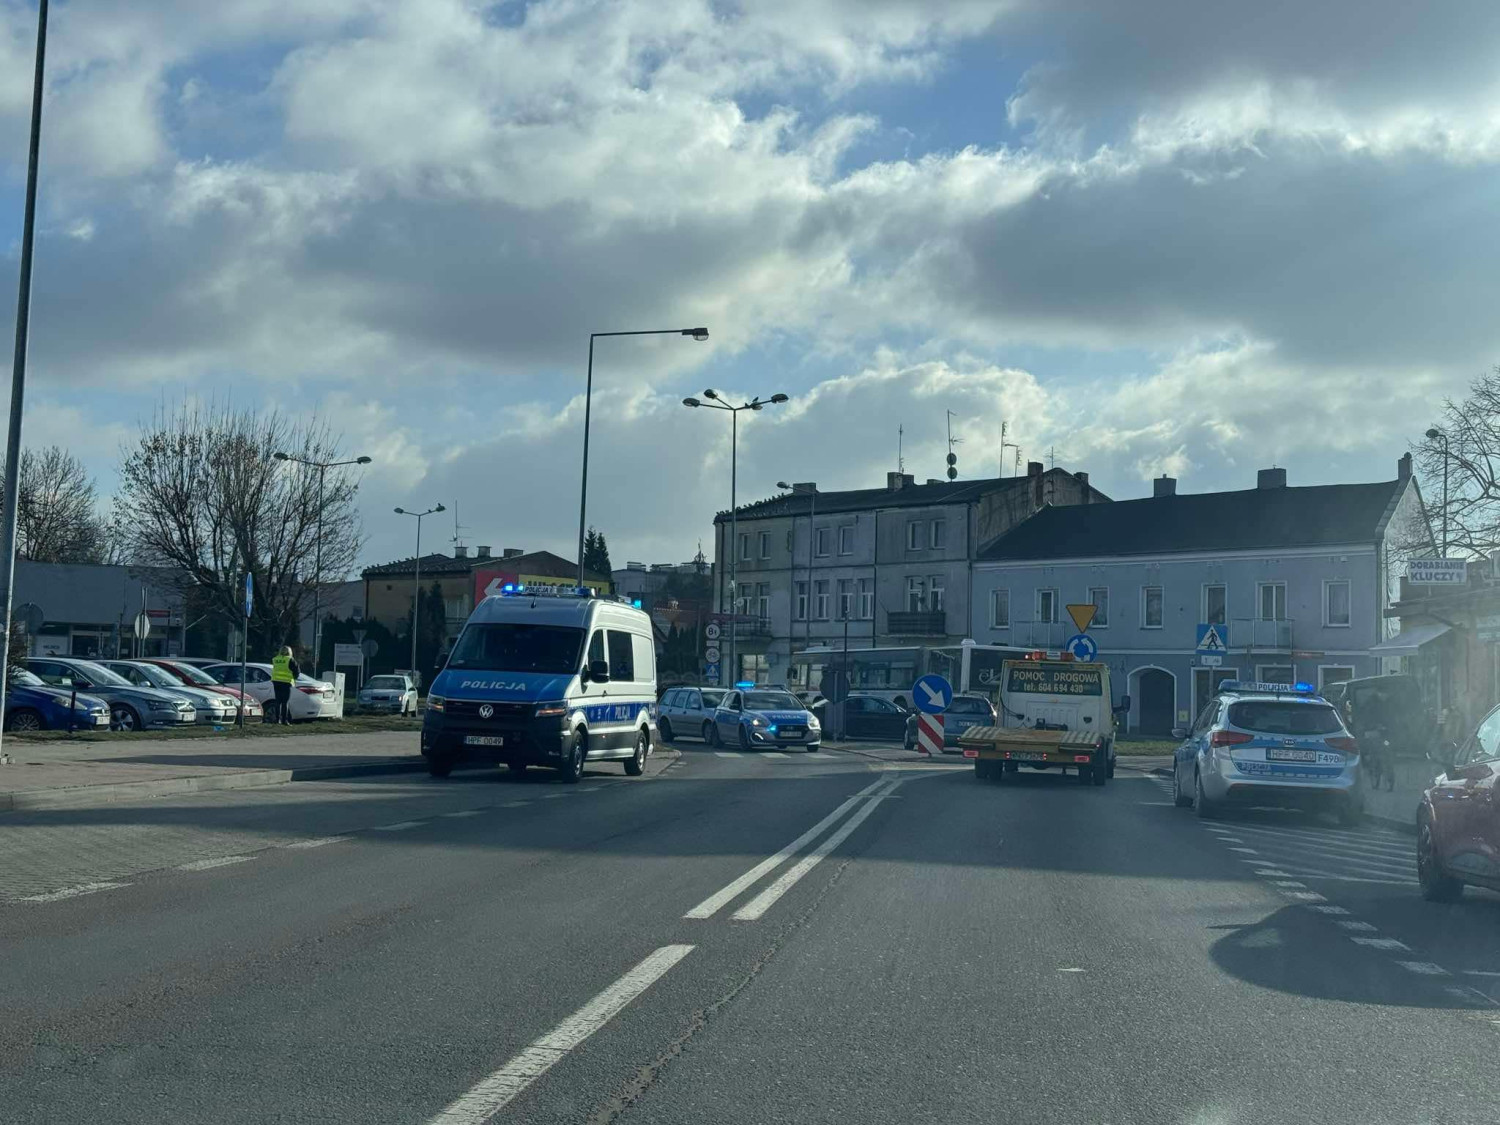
(1157, 236)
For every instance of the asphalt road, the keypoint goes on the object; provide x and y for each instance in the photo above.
(735, 937)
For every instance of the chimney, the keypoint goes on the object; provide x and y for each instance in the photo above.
(460, 551)
(894, 481)
(1034, 474)
(933, 480)
(511, 552)
(1270, 478)
(1083, 487)
(1403, 467)
(481, 552)
(1164, 486)
(805, 486)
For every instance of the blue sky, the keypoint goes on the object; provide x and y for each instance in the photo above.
(1160, 237)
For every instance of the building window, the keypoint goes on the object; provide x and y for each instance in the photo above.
(938, 535)
(1272, 598)
(801, 601)
(763, 600)
(745, 546)
(846, 598)
(914, 535)
(1047, 606)
(821, 539)
(867, 599)
(846, 539)
(765, 544)
(1276, 674)
(1336, 602)
(1216, 604)
(1334, 674)
(999, 609)
(1099, 597)
(820, 598)
(1150, 607)
(915, 592)
(935, 591)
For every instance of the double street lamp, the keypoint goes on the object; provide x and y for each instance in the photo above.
(588, 403)
(322, 467)
(712, 398)
(1433, 435)
(416, 583)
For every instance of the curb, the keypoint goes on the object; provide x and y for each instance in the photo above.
(87, 796)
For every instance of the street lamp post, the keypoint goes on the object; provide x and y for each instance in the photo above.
(588, 404)
(322, 467)
(811, 492)
(717, 402)
(416, 586)
(1432, 435)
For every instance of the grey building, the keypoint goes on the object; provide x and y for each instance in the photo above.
(882, 566)
(1301, 578)
(91, 611)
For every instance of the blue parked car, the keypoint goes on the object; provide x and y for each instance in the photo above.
(32, 705)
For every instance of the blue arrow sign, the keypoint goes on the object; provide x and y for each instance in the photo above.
(932, 694)
(249, 592)
(1083, 648)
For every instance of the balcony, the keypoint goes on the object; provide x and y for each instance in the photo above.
(750, 626)
(1249, 634)
(924, 623)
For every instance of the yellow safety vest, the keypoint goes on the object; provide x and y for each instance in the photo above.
(281, 669)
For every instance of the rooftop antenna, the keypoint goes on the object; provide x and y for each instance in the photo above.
(900, 461)
(1004, 445)
(458, 528)
(952, 441)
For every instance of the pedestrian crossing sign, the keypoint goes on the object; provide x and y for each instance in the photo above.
(1213, 639)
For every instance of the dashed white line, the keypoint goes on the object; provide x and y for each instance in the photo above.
(1246, 851)
(1305, 896)
(491, 1094)
(462, 812)
(1329, 909)
(210, 864)
(1355, 925)
(72, 892)
(399, 826)
(317, 842)
(514, 804)
(1288, 883)
(1423, 968)
(1389, 944)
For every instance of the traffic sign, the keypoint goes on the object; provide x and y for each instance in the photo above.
(836, 686)
(711, 673)
(1213, 639)
(932, 694)
(369, 647)
(249, 592)
(30, 616)
(346, 656)
(711, 631)
(1083, 648)
(929, 735)
(1082, 615)
(711, 654)
(142, 627)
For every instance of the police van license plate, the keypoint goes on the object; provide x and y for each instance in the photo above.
(1277, 755)
(484, 740)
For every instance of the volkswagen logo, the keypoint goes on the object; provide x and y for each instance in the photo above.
(486, 711)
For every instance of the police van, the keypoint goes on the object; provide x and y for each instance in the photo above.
(545, 677)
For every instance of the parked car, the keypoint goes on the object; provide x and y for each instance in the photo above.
(871, 716)
(199, 661)
(31, 705)
(1458, 819)
(312, 699)
(212, 707)
(396, 694)
(964, 712)
(194, 676)
(130, 707)
(688, 712)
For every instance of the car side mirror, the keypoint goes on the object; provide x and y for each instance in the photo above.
(597, 671)
(1445, 754)
(1179, 732)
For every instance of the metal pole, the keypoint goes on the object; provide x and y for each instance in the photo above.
(244, 660)
(318, 579)
(734, 545)
(416, 601)
(1445, 496)
(23, 324)
(583, 487)
(812, 534)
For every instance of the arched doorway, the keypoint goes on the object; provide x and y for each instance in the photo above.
(1156, 701)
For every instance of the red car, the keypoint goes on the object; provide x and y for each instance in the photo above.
(196, 677)
(1458, 821)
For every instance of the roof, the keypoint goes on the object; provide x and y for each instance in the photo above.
(909, 496)
(1252, 519)
(433, 564)
(541, 564)
(553, 610)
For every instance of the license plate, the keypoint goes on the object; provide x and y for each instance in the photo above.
(1028, 757)
(484, 740)
(1278, 755)
(791, 732)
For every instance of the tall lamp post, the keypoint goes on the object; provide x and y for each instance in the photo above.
(1432, 435)
(416, 584)
(716, 401)
(322, 467)
(588, 404)
(811, 492)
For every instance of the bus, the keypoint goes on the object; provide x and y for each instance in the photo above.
(890, 671)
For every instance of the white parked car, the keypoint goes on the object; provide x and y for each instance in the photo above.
(310, 699)
(396, 694)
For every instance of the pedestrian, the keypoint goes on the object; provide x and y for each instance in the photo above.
(284, 673)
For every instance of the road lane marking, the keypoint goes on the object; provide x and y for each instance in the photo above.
(1246, 851)
(1424, 968)
(72, 892)
(1305, 896)
(462, 812)
(399, 826)
(724, 754)
(1330, 909)
(491, 1094)
(1287, 883)
(1354, 924)
(762, 902)
(711, 905)
(1387, 943)
(514, 804)
(317, 842)
(210, 864)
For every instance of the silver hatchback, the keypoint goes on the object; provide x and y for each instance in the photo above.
(688, 712)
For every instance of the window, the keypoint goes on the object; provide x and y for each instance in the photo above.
(621, 656)
(765, 544)
(820, 597)
(915, 592)
(1046, 606)
(1099, 598)
(1336, 602)
(1276, 674)
(1333, 674)
(867, 599)
(821, 539)
(938, 535)
(1150, 607)
(1486, 742)
(846, 539)
(935, 592)
(456, 609)
(1000, 609)
(1272, 596)
(518, 646)
(801, 611)
(914, 535)
(846, 598)
(1216, 604)
(763, 600)
(1273, 716)
(744, 546)
(645, 658)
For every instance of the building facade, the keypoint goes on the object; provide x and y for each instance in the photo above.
(1297, 581)
(90, 611)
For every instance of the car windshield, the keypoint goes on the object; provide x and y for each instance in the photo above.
(1270, 716)
(154, 675)
(99, 674)
(713, 698)
(771, 701)
(20, 677)
(189, 674)
(961, 706)
(386, 683)
(509, 646)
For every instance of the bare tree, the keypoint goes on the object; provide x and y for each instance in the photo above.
(1465, 445)
(57, 511)
(200, 492)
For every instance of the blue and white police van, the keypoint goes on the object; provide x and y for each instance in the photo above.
(545, 677)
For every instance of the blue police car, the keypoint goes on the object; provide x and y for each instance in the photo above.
(765, 718)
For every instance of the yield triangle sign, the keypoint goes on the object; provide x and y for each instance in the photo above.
(1083, 615)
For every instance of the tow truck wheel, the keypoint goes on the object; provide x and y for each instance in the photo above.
(1085, 773)
(1002, 773)
(1100, 772)
(981, 770)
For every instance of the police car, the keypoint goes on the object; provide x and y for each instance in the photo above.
(546, 677)
(753, 717)
(1267, 744)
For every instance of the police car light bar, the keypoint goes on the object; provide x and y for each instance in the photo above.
(521, 590)
(1273, 689)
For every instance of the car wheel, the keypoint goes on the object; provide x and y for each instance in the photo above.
(572, 769)
(439, 765)
(1111, 764)
(1436, 886)
(635, 765)
(123, 718)
(744, 739)
(1100, 773)
(711, 733)
(1205, 808)
(1180, 799)
(664, 727)
(24, 719)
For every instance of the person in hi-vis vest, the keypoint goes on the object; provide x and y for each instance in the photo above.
(284, 673)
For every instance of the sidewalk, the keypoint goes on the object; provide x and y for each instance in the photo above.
(79, 774)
